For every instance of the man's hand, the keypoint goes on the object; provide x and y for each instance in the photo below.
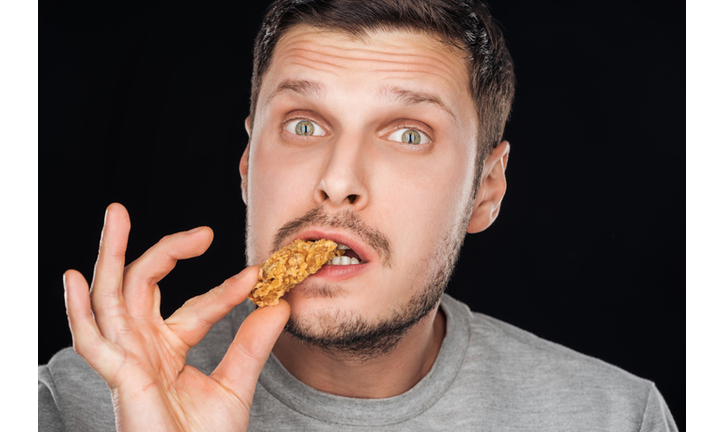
(119, 331)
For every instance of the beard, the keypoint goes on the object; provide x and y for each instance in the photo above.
(350, 335)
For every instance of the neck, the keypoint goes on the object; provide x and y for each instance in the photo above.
(389, 374)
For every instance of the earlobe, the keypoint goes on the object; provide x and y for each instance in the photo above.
(491, 191)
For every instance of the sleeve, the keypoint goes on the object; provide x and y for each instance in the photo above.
(49, 419)
(657, 417)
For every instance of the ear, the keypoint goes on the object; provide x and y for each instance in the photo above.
(492, 189)
(244, 163)
(247, 126)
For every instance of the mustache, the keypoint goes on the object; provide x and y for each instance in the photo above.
(348, 220)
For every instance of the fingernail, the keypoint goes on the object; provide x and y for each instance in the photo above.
(194, 230)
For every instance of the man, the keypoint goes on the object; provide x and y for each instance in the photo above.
(378, 125)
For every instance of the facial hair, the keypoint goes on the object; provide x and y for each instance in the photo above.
(350, 335)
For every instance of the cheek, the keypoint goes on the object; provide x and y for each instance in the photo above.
(426, 197)
(277, 192)
(427, 211)
(270, 186)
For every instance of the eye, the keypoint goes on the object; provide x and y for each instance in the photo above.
(409, 136)
(304, 128)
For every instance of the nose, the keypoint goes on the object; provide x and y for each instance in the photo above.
(344, 181)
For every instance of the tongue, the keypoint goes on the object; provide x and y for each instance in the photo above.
(352, 254)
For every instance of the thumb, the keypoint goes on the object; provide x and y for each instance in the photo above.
(240, 368)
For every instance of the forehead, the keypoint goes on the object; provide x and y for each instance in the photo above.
(372, 62)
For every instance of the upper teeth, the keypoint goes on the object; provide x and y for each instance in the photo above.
(343, 260)
(342, 247)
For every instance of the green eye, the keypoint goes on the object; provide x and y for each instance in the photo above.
(305, 128)
(411, 137)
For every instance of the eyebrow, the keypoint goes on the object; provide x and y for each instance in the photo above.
(405, 96)
(302, 87)
(413, 97)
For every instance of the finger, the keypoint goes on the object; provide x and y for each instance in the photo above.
(140, 290)
(193, 320)
(106, 295)
(240, 368)
(88, 342)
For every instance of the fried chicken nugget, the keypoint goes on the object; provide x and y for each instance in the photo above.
(289, 266)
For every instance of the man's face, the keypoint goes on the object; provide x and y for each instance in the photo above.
(372, 144)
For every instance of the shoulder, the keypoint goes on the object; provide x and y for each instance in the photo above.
(527, 355)
(534, 357)
(67, 366)
(536, 375)
(72, 394)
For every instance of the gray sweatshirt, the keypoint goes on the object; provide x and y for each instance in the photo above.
(488, 376)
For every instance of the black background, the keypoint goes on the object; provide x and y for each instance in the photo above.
(144, 104)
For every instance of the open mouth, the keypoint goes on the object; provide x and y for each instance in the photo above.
(350, 257)
(354, 252)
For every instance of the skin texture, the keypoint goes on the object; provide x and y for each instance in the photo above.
(117, 328)
(358, 94)
(414, 197)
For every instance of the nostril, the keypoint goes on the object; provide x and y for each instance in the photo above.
(339, 193)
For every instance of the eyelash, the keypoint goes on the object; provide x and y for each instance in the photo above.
(286, 126)
(403, 128)
(425, 137)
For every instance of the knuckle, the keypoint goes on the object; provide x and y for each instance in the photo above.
(220, 295)
(165, 240)
(248, 353)
(105, 247)
(192, 302)
(85, 346)
(202, 321)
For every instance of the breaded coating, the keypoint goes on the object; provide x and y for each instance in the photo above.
(289, 266)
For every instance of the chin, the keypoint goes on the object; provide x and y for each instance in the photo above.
(347, 327)
(310, 301)
(314, 300)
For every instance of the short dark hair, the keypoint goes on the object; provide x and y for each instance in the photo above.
(464, 24)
